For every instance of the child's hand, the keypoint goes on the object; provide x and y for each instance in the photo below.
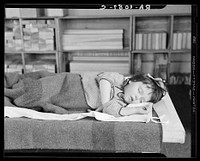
(141, 108)
(99, 109)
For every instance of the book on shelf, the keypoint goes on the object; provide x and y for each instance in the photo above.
(13, 65)
(164, 40)
(137, 63)
(184, 41)
(151, 41)
(180, 78)
(84, 39)
(101, 58)
(12, 39)
(55, 12)
(157, 41)
(92, 38)
(149, 37)
(139, 41)
(148, 67)
(145, 41)
(23, 12)
(181, 40)
(175, 37)
(101, 54)
(91, 47)
(93, 31)
(14, 68)
(38, 36)
(143, 62)
(47, 65)
(188, 46)
(79, 67)
(161, 62)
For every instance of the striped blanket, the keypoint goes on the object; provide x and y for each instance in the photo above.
(46, 92)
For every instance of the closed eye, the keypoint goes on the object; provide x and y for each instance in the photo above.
(140, 90)
(142, 100)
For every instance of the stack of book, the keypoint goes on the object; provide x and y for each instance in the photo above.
(181, 40)
(180, 78)
(100, 61)
(161, 63)
(143, 63)
(154, 64)
(14, 65)
(95, 66)
(151, 41)
(38, 35)
(41, 65)
(100, 56)
(55, 12)
(24, 12)
(13, 39)
(84, 39)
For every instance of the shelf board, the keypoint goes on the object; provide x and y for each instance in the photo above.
(98, 50)
(150, 51)
(181, 51)
(14, 52)
(94, 17)
(30, 18)
(31, 52)
(41, 52)
(12, 18)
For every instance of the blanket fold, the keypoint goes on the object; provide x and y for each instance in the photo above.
(45, 92)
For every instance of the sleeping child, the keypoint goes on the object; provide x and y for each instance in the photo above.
(117, 93)
(107, 92)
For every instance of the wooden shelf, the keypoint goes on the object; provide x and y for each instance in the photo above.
(13, 51)
(131, 24)
(99, 50)
(150, 51)
(40, 52)
(181, 51)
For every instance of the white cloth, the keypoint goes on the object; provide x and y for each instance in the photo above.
(24, 112)
(172, 128)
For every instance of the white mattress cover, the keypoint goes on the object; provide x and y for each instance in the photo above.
(172, 128)
(173, 131)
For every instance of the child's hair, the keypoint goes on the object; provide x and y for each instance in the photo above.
(156, 84)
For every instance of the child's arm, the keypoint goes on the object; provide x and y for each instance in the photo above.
(105, 88)
(135, 109)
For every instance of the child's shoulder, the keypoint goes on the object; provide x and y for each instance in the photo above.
(114, 77)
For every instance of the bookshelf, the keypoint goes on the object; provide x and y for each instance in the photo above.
(33, 42)
(105, 48)
(180, 55)
(171, 63)
(146, 44)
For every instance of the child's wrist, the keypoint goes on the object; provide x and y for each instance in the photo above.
(124, 111)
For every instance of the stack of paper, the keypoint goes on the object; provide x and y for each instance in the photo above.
(13, 39)
(92, 39)
(38, 35)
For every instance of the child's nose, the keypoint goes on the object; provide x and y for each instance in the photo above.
(136, 97)
(136, 101)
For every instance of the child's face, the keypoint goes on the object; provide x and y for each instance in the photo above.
(137, 92)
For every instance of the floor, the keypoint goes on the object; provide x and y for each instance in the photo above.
(180, 98)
